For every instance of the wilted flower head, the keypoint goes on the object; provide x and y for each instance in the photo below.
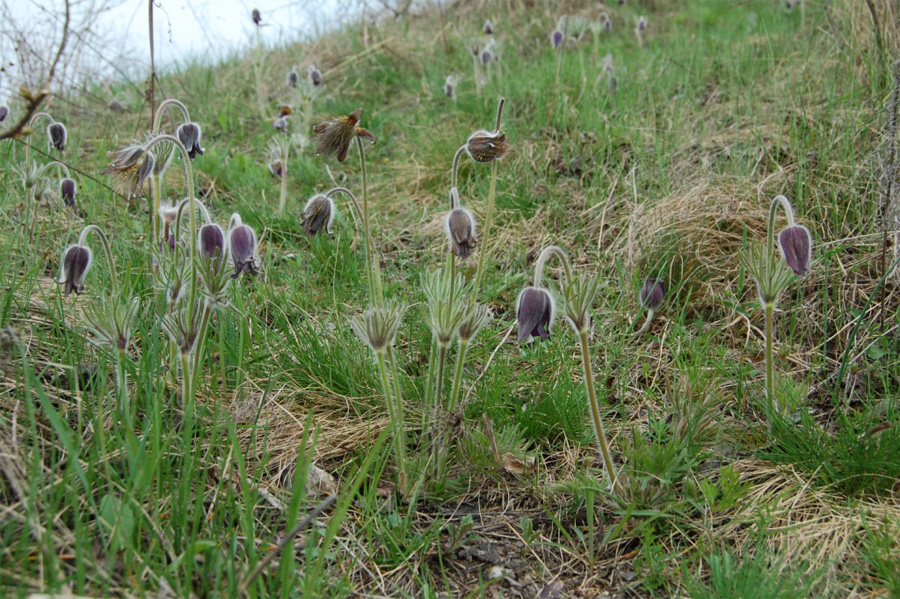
(556, 39)
(257, 18)
(67, 190)
(212, 241)
(189, 135)
(652, 293)
(336, 134)
(4, 112)
(796, 247)
(292, 79)
(377, 327)
(535, 311)
(276, 168)
(314, 75)
(130, 167)
(242, 244)
(76, 262)
(317, 215)
(460, 229)
(483, 146)
(488, 27)
(57, 134)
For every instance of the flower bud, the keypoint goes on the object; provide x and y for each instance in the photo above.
(67, 190)
(556, 39)
(242, 245)
(652, 293)
(257, 18)
(460, 229)
(535, 311)
(796, 248)
(189, 135)
(314, 76)
(488, 27)
(642, 24)
(212, 241)
(483, 146)
(76, 262)
(57, 134)
(4, 112)
(486, 57)
(317, 215)
(292, 79)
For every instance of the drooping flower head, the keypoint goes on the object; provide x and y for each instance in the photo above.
(276, 168)
(75, 264)
(242, 245)
(292, 79)
(4, 112)
(449, 86)
(130, 167)
(257, 18)
(486, 56)
(642, 24)
(67, 189)
(484, 146)
(796, 247)
(535, 311)
(653, 291)
(57, 134)
(556, 39)
(488, 27)
(318, 215)
(314, 75)
(189, 135)
(211, 242)
(335, 135)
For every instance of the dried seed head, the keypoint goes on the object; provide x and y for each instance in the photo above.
(4, 112)
(67, 190)
(242, 245)
(535, 311)
(653, 291)
(488, 27)
(336, 134)
(212, 241)
(189, 135)
(314, 75)
(257, 18)
(556, 39)
(75, 264)
(130, 167)
(317, 215)
(57, 134)
(377, 327)
(460, 229)
(483, 146)
(292, 79)
(796, 248)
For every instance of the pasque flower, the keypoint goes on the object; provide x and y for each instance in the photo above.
(460, 227)
(130, 167)
(335, 135)
(652, 293)
(484, 146)
(212, 241)
(242, 245)
(76, 262)
(317, 215)
(67, 189)
(795, 243)
(57, 134)
(4, 112)
(314, 75)
(535, 311)
(189, 135)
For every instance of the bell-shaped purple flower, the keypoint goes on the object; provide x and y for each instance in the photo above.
(189, 135)
(76, 262)
(488, 27)
(314, 76)
(317, 215)
(556, 39)
(257, 18)
(292, 79)
(535, 311)
(796, 247)
(486, 57)
(67, 189)
(652, 293)
(212, 241)
(460, 229)
(4, 112)
(57, 134)
(642, 24)
(242, 245)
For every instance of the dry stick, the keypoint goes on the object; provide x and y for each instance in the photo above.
(324, 505)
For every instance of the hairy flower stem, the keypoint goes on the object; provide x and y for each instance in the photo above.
(199, 349)
(770, 305)
(428, 405)
(770, 369)
(284, 172)
(439, 382)
(444, 447)
(376, 294)
(155, 178)
(396, 423)
(487, 228)
(98, 232)
(595, 410)
(122, 388)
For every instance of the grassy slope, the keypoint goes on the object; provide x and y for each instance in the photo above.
(722, 108)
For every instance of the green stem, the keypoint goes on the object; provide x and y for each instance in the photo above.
(398, 414)
(399, 446)
(284, 173)
(595, 410)
(487, 229)
(375, 289)
(428, 405)
(457, 376)
(439, 383)
(157, 116)
(546, 253)
(454, 171)
(770, 371)
(121, 383)
(199, 347)
(98, 232)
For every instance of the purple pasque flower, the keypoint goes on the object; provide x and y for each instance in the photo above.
(242, 245)
(4, 112)
(292, 79)
(317, 215)
(67, 189)
(652, 294)
(212, 241)
(314, 75)
(795, 243)
(189, 135)
(460, 229)
(57, 134)
(535, 311)
(556, 39)
(75, 264)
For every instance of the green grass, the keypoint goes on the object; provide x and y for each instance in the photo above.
(724, 107)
